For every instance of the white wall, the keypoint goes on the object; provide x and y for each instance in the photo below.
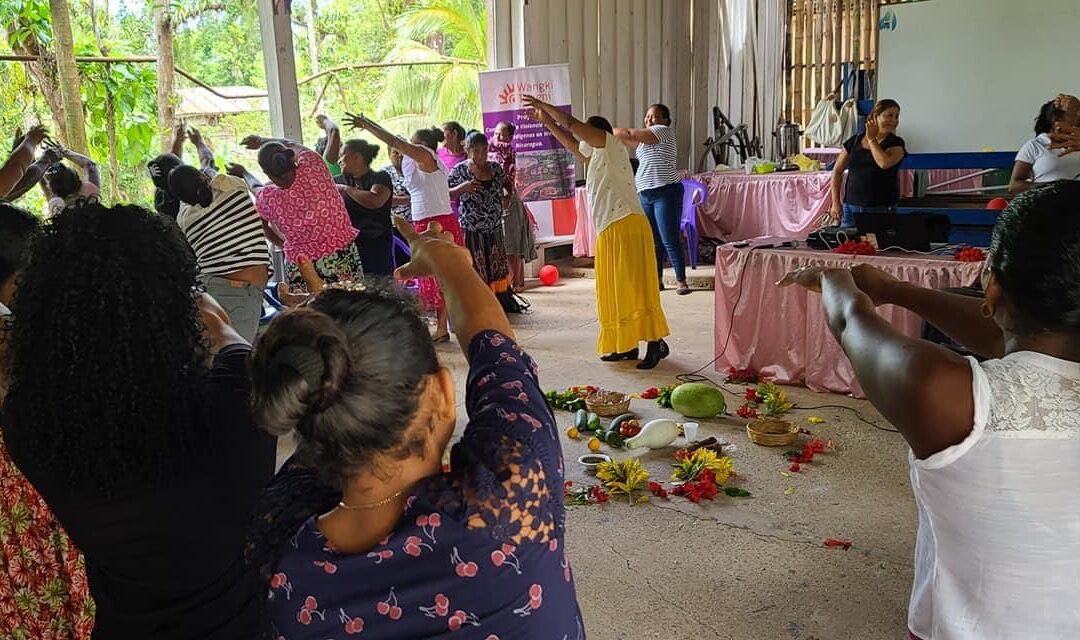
(971, 74)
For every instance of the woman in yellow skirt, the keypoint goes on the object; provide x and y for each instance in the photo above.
(627, 299)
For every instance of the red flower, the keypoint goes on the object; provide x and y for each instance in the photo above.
(747, 412)
(969, 254)
(658, 490)
(795, 467)
(681, 454)
(836, 542)
(598, 495)
(751, 394)
(707, 476)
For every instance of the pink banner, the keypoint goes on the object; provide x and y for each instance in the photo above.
(783, 332)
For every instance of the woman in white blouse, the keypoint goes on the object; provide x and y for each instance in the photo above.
(1038, 161)
(994, 445)
(627, 298)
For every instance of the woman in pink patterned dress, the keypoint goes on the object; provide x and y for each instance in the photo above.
(427, 179)
(412, 551)
(304, 211)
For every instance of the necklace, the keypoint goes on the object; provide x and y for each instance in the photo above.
(371, 505)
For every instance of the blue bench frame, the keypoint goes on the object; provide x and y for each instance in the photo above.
(969, 226)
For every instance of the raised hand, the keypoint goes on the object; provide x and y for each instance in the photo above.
(312, 279)
(872, 129)
(807, 277)
(252, 142)
(36, 134)
(1067, 139)
(428, 249)
(236, 170)
(194, 136)
(357, 121)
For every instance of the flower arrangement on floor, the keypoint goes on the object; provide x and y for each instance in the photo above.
(623, 477)
(765, 400)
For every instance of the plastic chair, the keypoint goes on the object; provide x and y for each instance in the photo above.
(400, 246)
(693, 195)
(271, 304)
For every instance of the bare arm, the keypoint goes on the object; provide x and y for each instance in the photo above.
(921, 388)
(596, 138)
(333, 142)
(206, 156)
(177, 147)
(370, 199)
(401, 201)
(11, 172)
(886, 159)
(31, 177)
(565, 138)
(836, 186)
(93, 175)
(419, 153)
(633, 137)
(955, 314)
(240, 171)
(1021, 177)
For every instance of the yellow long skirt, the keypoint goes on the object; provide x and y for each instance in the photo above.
(627, 292)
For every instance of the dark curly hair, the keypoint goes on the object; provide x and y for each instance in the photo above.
(366, 150)
(430, 138)
(345, 372)
(1048, 116)
(109, 362)
(1035, 254)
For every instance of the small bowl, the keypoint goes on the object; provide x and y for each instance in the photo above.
(591, 460)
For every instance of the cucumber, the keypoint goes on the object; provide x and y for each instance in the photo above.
(617, 422)
(614, 439)
(581, 420)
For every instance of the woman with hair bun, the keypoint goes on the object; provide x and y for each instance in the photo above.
(994, 444)
(426, 178)
(367, 193)
(872, 161)
(304, 211)
(411, 550)
(1038, 161)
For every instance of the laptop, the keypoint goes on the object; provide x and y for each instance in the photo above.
(910, 231)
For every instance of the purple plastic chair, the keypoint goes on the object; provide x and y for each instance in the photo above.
(693, 195)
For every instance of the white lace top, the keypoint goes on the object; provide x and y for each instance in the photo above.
(998, 549)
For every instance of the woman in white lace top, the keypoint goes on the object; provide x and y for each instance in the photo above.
(994, 445)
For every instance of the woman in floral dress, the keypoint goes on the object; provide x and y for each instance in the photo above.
(483, 192)
(412, 551)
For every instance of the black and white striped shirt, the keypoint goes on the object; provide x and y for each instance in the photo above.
(226, 236)
(658, 160)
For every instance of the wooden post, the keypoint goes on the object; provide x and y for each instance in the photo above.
(277, 41)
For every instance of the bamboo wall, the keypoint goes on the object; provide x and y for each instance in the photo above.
(824, 35)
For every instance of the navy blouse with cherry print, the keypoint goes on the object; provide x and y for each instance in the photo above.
(479, 551)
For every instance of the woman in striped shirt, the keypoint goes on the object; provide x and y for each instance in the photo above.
(659, 188)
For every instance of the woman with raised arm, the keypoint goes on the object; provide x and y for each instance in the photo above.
(304, 209)
(1038, 162)
(427, 179)
(872, 161)
(411, 550)
(627, 297)
(659, 188)
(998, 547)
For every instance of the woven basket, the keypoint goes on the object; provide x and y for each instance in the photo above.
(770, 432)
(608, 403)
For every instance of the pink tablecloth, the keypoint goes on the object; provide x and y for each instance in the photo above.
(782, 331)
(782, 205)
(584, 230)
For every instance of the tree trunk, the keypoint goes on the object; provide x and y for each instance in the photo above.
(114, 163)
(313, 36)
(64, 43)
(43, 71)
(166, 75)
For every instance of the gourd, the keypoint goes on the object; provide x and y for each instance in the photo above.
(656, 434)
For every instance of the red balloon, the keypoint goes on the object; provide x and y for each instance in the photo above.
(549, 274)
(997, 203)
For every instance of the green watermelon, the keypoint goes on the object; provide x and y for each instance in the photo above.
(698, 400)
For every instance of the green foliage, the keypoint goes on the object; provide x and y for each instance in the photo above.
(25, 22)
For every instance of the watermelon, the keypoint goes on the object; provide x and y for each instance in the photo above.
(698, 400)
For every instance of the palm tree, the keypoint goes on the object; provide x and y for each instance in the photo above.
(444, 31)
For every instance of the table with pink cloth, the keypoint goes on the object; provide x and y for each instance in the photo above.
(782, 205)
(783, 332)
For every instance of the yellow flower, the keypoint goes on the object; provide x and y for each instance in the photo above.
(815, 420)
(689, 469)
(623, 477)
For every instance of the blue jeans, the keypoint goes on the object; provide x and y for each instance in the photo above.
(663, 208)
(848, 219)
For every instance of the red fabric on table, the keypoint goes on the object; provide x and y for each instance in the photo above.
(783, 332)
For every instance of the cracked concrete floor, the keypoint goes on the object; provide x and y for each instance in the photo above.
(750, 568)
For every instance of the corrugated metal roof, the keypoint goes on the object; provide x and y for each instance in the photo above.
(197, 101)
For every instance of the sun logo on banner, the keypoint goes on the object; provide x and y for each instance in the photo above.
(508, 95)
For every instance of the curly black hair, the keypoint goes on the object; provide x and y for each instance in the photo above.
(109, 362)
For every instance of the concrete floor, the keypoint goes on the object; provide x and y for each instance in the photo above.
(739, 568)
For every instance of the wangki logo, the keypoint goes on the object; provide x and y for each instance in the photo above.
(508, 96)
(510, 92)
